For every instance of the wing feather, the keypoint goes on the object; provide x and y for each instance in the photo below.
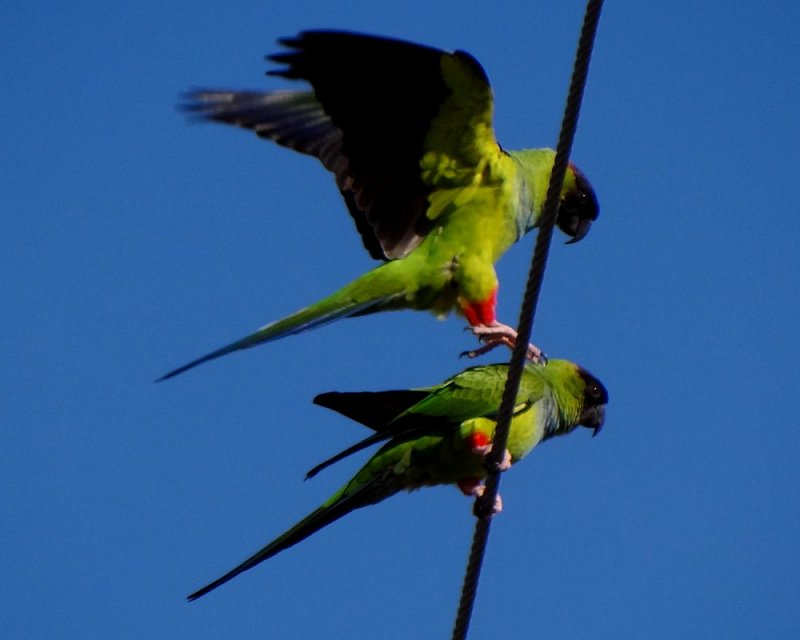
(400, 125)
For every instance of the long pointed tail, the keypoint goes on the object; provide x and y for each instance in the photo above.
(336, 507)
(309, 525)
(356, 298)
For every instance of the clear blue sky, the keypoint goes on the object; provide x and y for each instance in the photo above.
(133, 241)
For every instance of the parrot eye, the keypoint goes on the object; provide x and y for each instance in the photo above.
(596, 393)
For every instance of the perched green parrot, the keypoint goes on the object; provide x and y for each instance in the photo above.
(441, 434)
(407, 131)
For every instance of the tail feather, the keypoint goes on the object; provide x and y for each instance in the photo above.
(311, 524)
(336, 507)
(323, 312)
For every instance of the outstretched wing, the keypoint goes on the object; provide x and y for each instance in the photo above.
(394, 121)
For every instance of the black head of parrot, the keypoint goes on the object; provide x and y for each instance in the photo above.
(578, 208)
(595, 399)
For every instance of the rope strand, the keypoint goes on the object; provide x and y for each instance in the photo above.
(485, 503)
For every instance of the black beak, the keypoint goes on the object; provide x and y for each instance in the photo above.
(594, 418)
(579, 230)
(578, 209)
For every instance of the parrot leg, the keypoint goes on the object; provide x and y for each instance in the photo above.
(471, 486)
(483, 324)
(497, 334)
(474, 487)
(481, 444)
(505, 463)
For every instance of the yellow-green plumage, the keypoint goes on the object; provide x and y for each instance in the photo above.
(407, 132)
(433, 435)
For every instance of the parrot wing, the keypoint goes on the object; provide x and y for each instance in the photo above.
(396, 122)
(475, 392)
(373, 409)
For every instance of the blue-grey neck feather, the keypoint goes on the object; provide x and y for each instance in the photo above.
(525, 217)
(555, 423)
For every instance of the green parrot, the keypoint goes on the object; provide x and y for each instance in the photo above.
(441, 434)
(407, 132)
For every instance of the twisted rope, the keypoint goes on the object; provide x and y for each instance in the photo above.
(485, 504)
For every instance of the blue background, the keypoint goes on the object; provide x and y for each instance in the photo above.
(133, 241)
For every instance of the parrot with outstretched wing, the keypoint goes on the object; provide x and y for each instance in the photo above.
(407, 132)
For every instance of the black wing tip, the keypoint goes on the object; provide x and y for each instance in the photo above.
(295, 44)
(309, 39)
(324, 399)
(346, 453)
(204, 104)
(195, 103)
(312, 37)
(209, 102)
(358, 446)
(309, 36)
(284, 57)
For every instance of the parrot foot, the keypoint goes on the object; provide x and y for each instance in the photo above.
(503, 465)
(497, 334)
(475, 487)
(471, 486)
(480, 444)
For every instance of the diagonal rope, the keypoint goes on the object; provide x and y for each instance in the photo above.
(484, 504)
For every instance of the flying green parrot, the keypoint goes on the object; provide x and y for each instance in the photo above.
(407, 132)
(441, 434)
